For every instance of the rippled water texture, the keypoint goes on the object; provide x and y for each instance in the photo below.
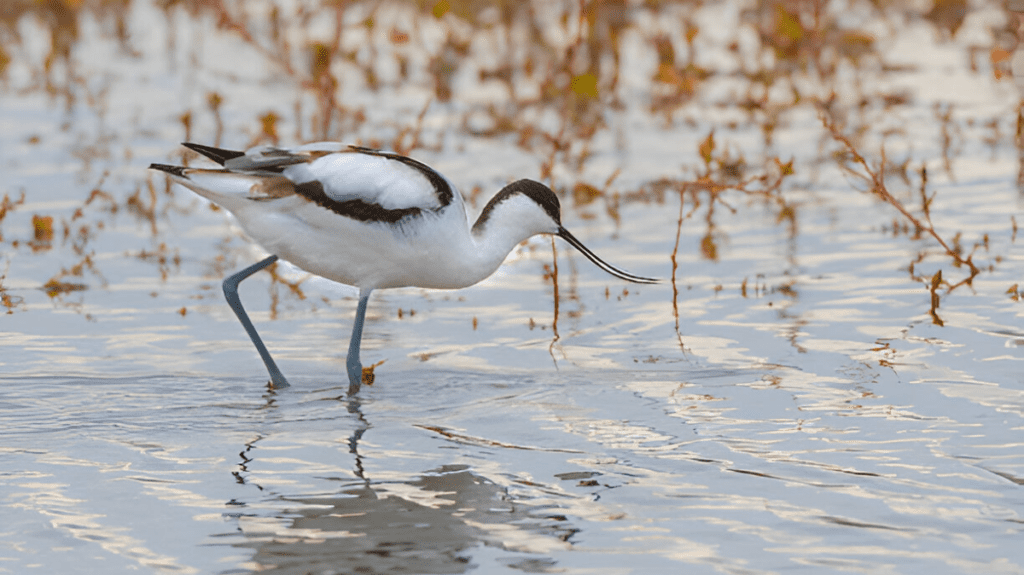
(830, 379)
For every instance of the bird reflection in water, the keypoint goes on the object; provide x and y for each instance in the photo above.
(427, 524)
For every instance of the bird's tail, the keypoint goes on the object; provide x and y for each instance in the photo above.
(226, 188)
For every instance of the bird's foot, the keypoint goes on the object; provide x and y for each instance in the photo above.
(277, 379)
(355, 379)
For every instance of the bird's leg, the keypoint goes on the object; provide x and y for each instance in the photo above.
(231, 294)
(355, 368)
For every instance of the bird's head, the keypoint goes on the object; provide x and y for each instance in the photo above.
(529, 208)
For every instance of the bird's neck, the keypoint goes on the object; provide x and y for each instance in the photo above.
(491, 243)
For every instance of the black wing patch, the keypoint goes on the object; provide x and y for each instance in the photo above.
(173, 170)
(355, 209)
(218, 155)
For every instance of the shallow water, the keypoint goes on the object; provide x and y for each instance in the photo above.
(792, 399)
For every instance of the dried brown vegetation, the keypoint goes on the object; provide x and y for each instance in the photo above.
(549, 81)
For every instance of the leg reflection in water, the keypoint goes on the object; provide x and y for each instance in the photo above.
(428, 523)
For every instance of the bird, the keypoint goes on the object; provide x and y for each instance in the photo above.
(367, 218)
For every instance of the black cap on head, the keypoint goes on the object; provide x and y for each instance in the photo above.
(536, 191)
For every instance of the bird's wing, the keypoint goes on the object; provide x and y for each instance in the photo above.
(347, 173)
(354, 181)
(269, 158)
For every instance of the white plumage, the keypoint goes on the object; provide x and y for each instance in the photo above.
(369, 219)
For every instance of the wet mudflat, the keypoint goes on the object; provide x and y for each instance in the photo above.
(829, 379)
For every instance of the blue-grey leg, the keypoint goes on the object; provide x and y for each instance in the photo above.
(231, 294)
(355, 368)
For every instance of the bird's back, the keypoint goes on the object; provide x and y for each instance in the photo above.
(353, 215)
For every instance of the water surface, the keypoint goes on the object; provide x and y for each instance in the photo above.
(805, 392)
